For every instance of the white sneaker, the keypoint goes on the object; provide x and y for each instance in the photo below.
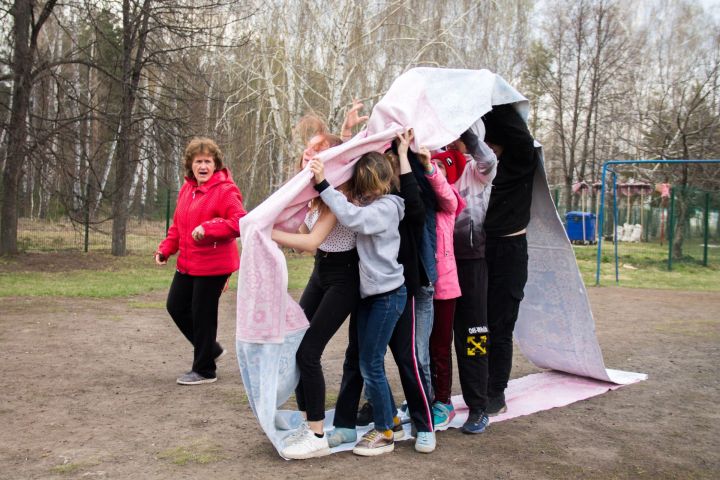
(296, 435)
(425, 442)
(307, 446)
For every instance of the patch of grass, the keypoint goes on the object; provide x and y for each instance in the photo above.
(299, 269)
(116, 277)
(201, 452)
(73, 467)
(644, 265)
(330, 399)
(104, 276)
(234, 398)
(133, 304)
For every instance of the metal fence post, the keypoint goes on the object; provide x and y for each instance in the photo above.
(167, 212)
(615, 219)
(88, 189)
(707, 228)
(671, 227)
(601, 223)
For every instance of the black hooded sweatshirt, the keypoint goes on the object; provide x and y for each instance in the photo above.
(511, 196)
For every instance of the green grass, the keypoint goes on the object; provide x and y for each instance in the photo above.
(200, 451)
(114, 278)
(73, 467)
(122, 277)
(104, 276)
(644, 265)
(299, 270)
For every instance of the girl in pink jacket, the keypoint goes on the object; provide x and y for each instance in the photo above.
(447, 288)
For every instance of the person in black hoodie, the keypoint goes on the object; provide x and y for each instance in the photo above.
(505, 226)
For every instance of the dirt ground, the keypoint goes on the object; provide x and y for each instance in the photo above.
(89, 392)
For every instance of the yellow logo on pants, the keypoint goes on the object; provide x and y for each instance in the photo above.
(476, 345)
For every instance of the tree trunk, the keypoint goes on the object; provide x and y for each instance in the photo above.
(25, 38)
(17, 128)
(132, 65)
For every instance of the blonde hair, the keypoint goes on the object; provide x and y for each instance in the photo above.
(200, 145)
(372, 178)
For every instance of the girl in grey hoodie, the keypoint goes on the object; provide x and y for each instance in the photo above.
(375, 216)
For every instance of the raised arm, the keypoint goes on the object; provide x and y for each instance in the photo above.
(369, 219)
(447, 201)
(352, 119)
(485, 162)
(310, 241)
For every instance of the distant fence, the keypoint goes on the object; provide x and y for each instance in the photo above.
(143, 236)
(66, 234)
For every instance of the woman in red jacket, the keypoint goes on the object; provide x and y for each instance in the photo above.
(205, 226)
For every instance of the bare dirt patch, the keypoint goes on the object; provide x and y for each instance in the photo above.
(90, 393)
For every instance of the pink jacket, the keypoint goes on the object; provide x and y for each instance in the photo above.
(450, 205)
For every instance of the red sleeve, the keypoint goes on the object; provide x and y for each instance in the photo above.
(227, 224)
(171, 244)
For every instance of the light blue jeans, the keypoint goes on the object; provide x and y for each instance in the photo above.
(424, 315)
(376, 319)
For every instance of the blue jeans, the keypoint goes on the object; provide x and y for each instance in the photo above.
(424, 316)
(376, 319)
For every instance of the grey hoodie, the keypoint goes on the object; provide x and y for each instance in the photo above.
(378, 239)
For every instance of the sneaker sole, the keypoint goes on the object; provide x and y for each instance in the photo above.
(424, 448)
(494, 414)
(399, 435)
(445, 423)
(304, 456)
(222, 354)
(475, 432)
(197, 382)
(372, 452)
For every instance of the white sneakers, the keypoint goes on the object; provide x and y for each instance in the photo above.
(304, 444)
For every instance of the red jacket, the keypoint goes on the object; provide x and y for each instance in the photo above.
(217, 206)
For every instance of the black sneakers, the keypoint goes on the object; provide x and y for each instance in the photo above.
(365, 415)
(496, 405)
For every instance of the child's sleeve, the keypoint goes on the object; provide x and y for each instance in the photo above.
(446, 198)
(414, 206)
(370, 219)
(484, 166)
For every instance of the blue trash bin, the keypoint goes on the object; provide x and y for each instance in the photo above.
(574, 226)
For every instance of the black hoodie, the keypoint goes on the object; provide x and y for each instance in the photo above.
(511, 196)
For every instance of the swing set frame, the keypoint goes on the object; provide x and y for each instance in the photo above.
(608, 166)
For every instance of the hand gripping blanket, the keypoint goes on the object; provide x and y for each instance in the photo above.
(555, 329)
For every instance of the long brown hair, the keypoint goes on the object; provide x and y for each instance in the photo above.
(372, 178)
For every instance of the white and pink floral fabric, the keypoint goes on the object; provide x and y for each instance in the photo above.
(555, 328)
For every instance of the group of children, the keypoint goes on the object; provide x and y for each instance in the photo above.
(416, 249)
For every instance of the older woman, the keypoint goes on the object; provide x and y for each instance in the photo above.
(205, 226)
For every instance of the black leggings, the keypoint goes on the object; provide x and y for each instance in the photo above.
(193, 304)
(331, 294)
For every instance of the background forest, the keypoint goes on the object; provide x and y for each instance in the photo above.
(98, 98)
